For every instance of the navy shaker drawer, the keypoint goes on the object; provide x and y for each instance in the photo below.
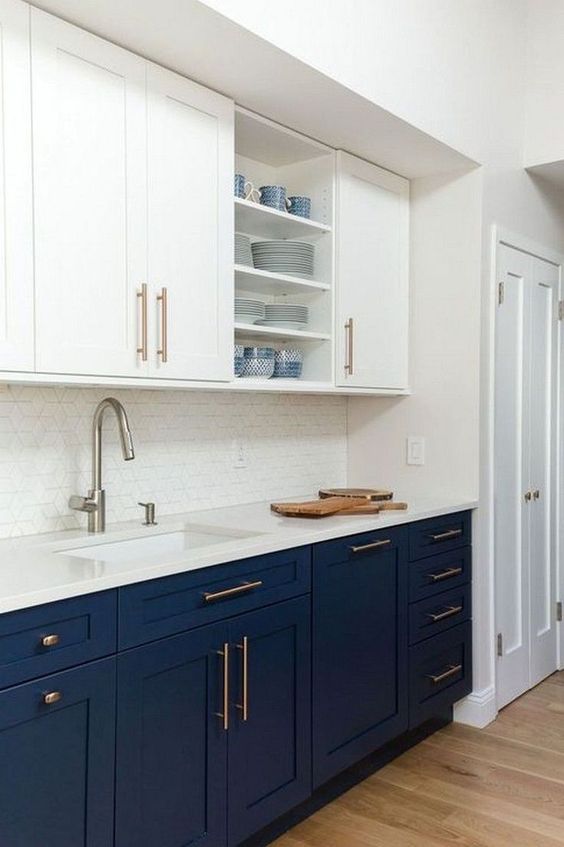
(438, 535)
(174, 604)
(356, 547)
(436, 574)
(440, 612)
(55, 636)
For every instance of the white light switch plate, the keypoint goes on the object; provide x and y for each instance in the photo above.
(415, 450)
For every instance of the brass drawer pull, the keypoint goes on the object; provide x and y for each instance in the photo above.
(50, 640)
(244, 707)
(52, 697)
(349, 363)
(445, 536)
(142, 349)
(448, 613)
(374, 545)
(448, 574)
(163, 349)
(452, 671)
(210, 596)
(224, 715)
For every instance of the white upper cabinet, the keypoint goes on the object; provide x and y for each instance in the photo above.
(16, 232)
(190, 238)
(89, 129)
(372, 276)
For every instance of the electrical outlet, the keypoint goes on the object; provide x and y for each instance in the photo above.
(415, 450)
(239, 455)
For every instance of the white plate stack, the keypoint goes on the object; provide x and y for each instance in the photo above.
(285, 316)
(284, 257)
(243, 254)
(248, 311)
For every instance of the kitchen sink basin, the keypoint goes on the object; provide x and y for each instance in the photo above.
(154, 546)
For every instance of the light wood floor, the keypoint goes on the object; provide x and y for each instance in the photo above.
(498, 787)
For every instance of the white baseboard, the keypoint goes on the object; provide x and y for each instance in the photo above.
(478, 709)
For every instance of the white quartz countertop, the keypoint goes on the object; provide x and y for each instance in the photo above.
(41, 568)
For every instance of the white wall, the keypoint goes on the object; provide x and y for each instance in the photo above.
(185, 454)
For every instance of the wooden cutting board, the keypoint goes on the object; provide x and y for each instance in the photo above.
(317, 508)
(372, 494)
(374, 508)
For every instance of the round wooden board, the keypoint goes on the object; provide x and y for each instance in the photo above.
(372, 494)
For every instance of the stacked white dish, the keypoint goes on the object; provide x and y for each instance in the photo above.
(285, 316)
(284, 257)
(248, 311)
(243, 253)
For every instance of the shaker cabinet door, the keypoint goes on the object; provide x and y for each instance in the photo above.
(190, 238)
(89, 147)
(372, 270)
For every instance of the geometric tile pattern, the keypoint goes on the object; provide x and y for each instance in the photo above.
(186, 445)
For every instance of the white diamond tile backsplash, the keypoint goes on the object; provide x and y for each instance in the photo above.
(187, 447)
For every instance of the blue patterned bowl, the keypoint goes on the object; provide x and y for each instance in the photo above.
(290, 370)
(258, 368)
(259, 353)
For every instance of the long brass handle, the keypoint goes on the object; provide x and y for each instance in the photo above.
(349, 330)
(224, 715)
(374, 545)
(210, 596)
(445, 536)
(52, 697)
(452, 671)
(50, 640)
(448, 574)
(244, 706)
(163, 300)
(142, 295)
(448, 613)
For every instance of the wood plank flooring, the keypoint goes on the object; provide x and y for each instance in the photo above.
(498, 787)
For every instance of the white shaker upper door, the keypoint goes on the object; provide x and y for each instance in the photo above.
(89, 144)
(372, 285)
(190, 240)
(16, 226)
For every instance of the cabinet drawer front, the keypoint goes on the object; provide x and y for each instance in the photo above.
(435, 614)
(439, 534)
(436, 574)
(440, 672)
(154, 609)
(356, 547)
(37, 641)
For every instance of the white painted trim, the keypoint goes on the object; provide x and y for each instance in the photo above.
(478, 709)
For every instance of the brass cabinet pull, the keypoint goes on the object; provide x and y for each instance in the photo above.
(210, 596)
(374, 545)
(528, 496)
(448, 574)
(445, 536)
(448, 613)
(50, 640)
(52, 697)
(142, 295)
(536, 494)
(244, 707)
(224, 715)
(452, 671)
(163, 300)
(349, 362)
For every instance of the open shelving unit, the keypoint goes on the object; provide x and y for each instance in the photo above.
(270, 154)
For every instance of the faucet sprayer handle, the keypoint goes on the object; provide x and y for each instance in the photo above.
(82, 504)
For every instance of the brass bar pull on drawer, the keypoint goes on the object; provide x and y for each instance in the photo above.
(446, 536)
(244, 707)
(50, 640)
(448, 613)
(448, 574)
(210, 596)
(452, 671)
(374, 545)
(52, 697)
(224, 715)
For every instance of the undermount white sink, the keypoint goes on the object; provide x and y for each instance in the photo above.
(154, 546)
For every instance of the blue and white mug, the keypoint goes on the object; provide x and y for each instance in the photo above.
(273, 196)
(241, 185)
(299, 205)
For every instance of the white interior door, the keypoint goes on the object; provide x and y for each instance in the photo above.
(16, 225)
(89, 144)
(190, 166)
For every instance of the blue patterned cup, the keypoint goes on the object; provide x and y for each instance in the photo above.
(240, 185)
(273, 196)
(299, 206)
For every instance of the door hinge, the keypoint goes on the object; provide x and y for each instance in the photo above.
(559, 610)
(499, 644)
(561, 310)
(500, 292)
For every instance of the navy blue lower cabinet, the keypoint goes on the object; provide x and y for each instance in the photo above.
(360, 627)
(57, 737)
(171, 742)
(270, 724)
